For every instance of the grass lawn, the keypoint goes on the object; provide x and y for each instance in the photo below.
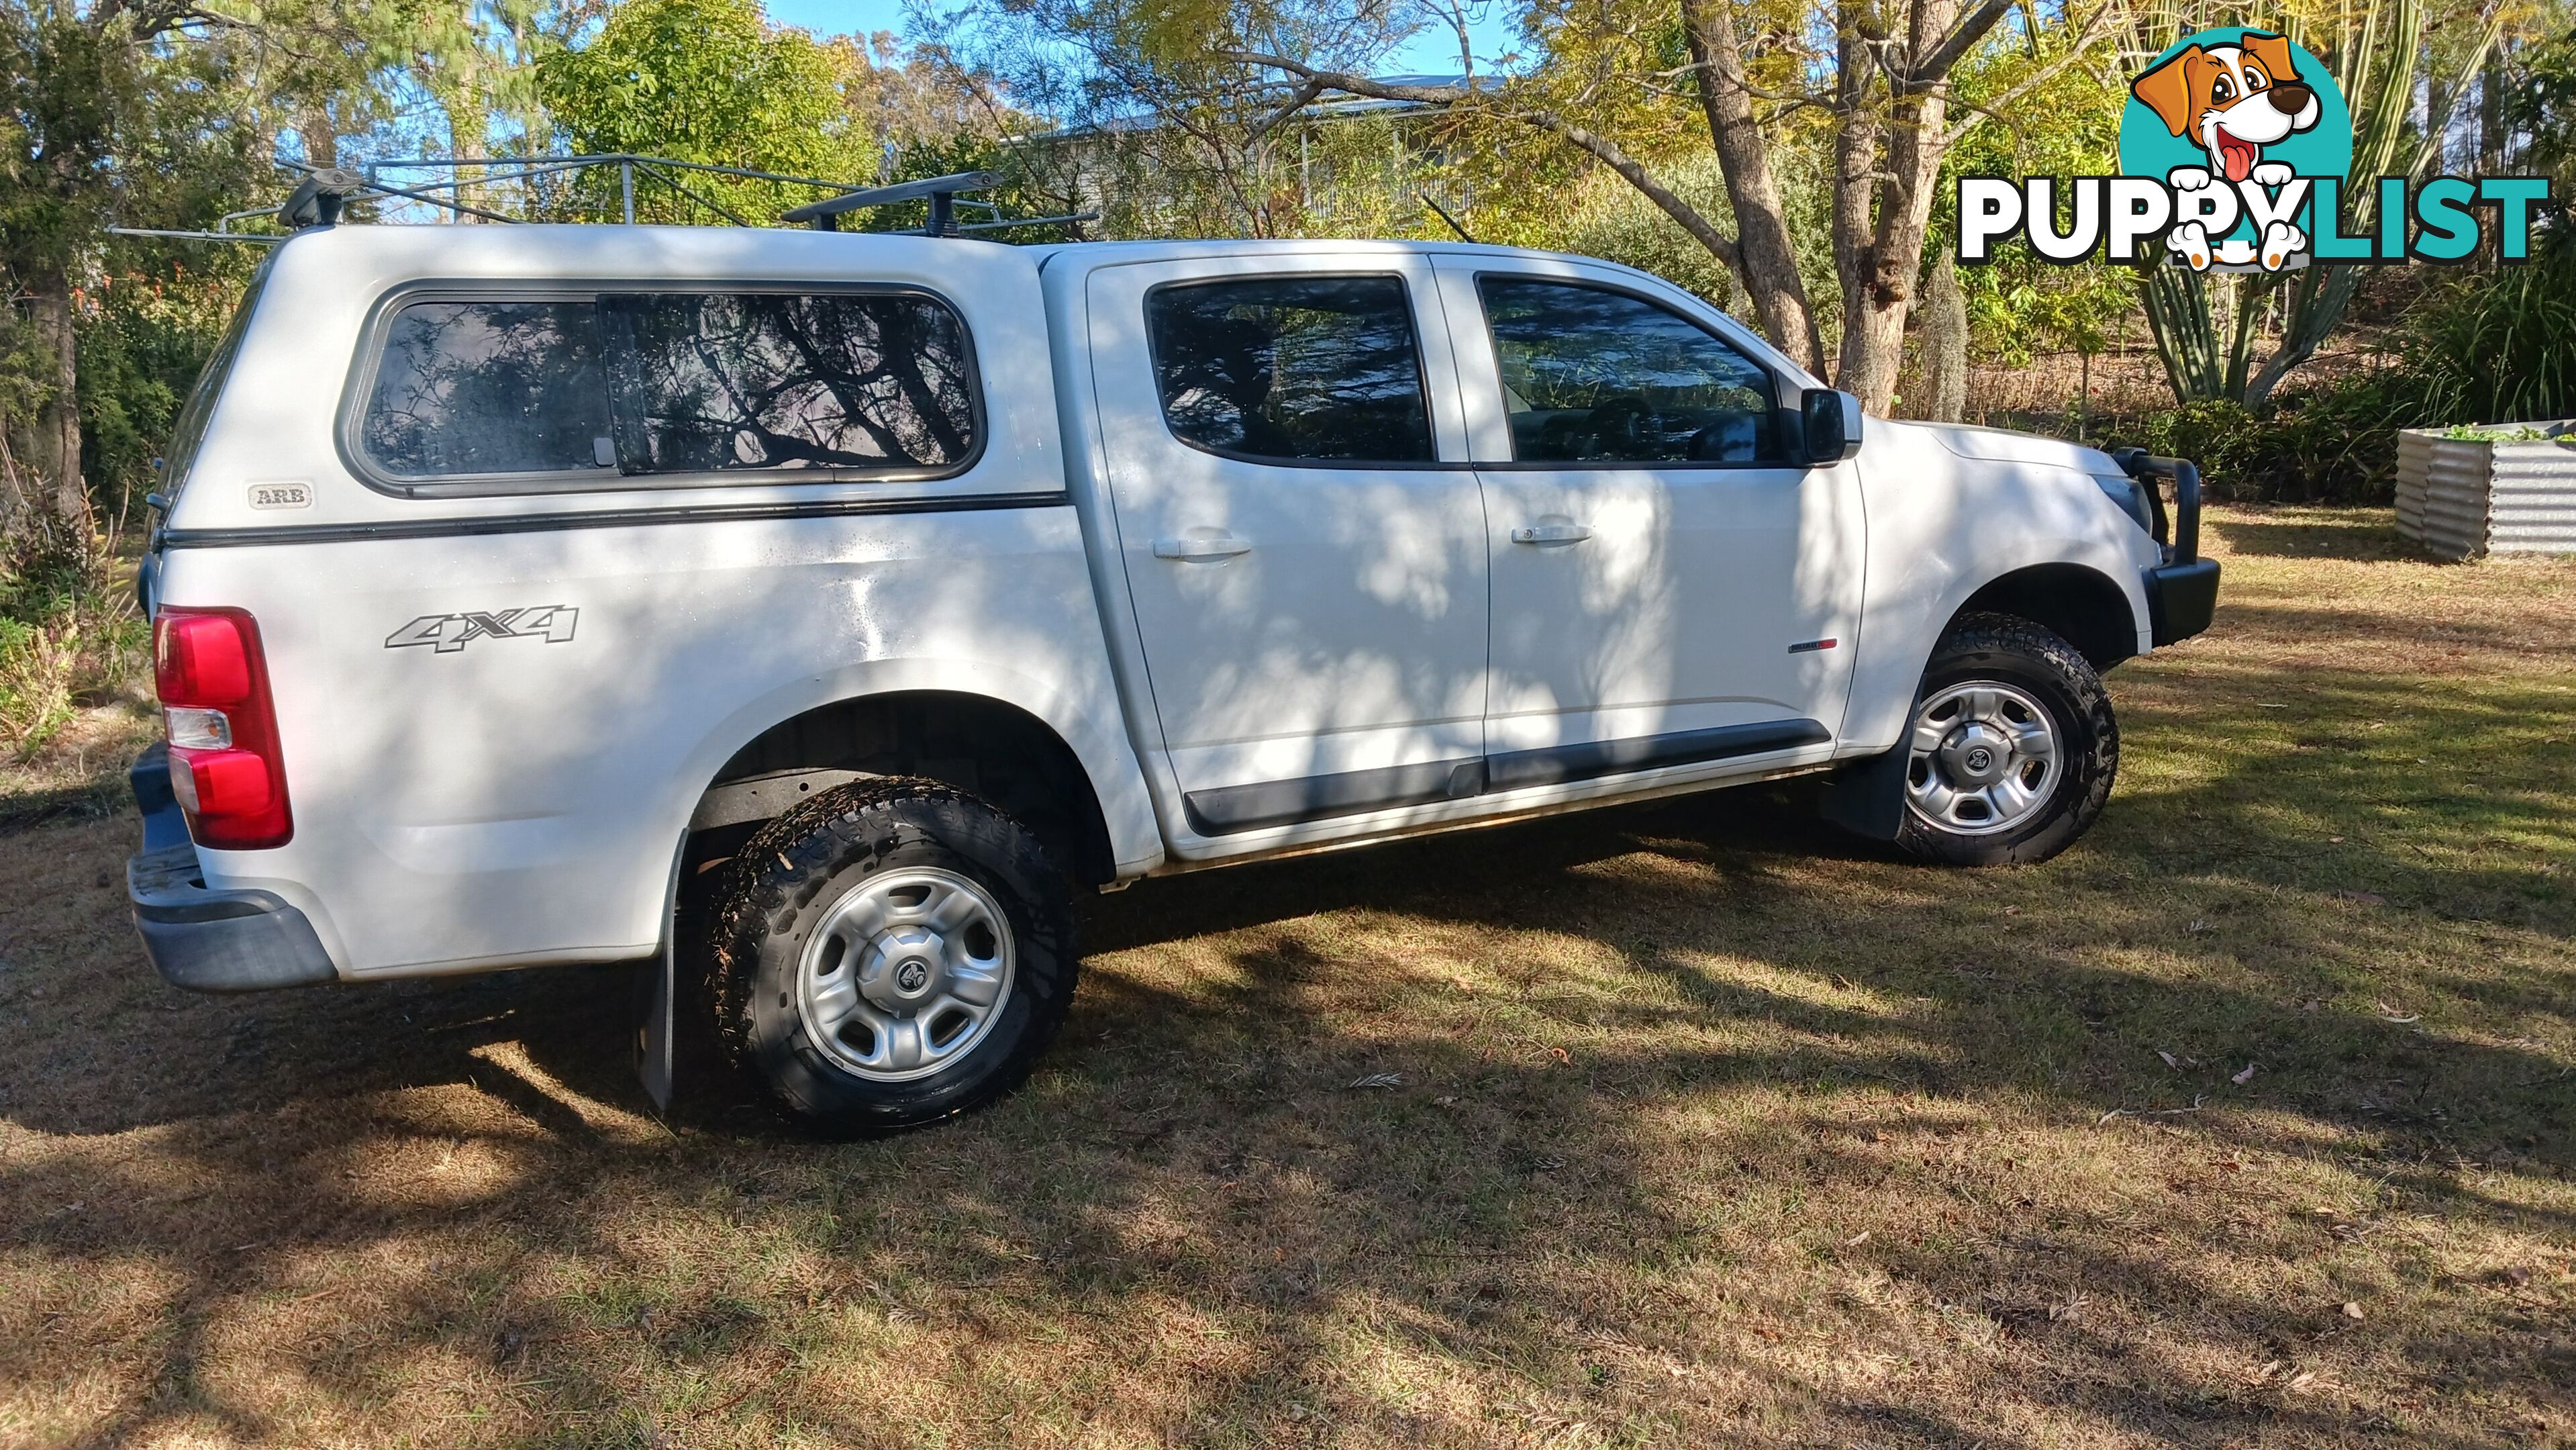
(2251, 1120)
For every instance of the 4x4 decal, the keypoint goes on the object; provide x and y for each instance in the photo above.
(448, 633)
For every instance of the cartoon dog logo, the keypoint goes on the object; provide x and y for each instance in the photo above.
(2232, 101)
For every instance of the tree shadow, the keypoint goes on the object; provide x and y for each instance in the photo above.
(2351, 535)
(1638, 1049)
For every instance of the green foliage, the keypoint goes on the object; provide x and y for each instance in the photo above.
(68, 633)
(2333, 444)
(2543, 105)
(2499, 348)
(141, 345)
(37, 668)
(2524, 433)
(707, 81)
(2022, 304)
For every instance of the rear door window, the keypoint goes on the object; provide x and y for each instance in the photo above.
(1292, 368)
(579, 391)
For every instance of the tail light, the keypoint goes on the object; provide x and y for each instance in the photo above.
(224, 764)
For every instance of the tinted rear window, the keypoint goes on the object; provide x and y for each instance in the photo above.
(1320, 368)
(774, 381)
(490, 387)
(573, 391)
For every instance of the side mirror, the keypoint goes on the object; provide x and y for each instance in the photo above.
(1830, 422)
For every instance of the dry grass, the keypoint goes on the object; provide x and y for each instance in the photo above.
(1710, 1130)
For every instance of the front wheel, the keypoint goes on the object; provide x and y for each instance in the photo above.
(891, 953)
(2012, 747)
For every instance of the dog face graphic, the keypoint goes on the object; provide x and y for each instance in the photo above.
(2230, 100)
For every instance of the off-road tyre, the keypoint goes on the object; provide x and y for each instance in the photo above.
(2023, 657)
(796, 869)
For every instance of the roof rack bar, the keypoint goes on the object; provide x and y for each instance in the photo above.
(611, 158)
(1028, 221)
(257, 239)
(942, 191)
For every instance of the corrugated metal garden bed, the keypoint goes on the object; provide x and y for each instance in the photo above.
(2503, 489)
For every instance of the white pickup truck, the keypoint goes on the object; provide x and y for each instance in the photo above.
(519, 585)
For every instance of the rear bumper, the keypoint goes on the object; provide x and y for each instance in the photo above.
(201, 939)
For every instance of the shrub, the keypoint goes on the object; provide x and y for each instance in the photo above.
(69, 634)
(2333, 444)
(2499, 348)
(38, 667)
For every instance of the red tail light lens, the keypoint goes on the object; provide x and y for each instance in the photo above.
(224, 764)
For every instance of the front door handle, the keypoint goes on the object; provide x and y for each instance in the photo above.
(1551, 534)
(1202, 549)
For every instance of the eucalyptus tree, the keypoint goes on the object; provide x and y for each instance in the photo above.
(1868, 83)
(159, 113)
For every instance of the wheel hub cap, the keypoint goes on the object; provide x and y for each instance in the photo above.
(1975, 754)
(905, 974)
(1983, 758)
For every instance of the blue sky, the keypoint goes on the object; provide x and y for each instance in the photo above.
(1429, 53)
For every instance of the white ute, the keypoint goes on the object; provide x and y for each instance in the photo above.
(524, 591)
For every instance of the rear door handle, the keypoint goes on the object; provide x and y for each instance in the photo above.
(1551, 534)
(1201, 550)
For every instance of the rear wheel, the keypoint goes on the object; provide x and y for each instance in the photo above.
(2012, 748)
(891, 953)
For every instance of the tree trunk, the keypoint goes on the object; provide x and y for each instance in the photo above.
(54, 445)
(321, 141)
(1878, 274)
(2491, 123)
(1770, 259)
(1856, 138)
(1945, 345)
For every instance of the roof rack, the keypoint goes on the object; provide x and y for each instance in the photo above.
(942, 193)
(323, 191)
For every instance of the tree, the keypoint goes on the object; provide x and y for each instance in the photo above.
(153, 113)
(709, 81)
(81, 91)
(1869, 81)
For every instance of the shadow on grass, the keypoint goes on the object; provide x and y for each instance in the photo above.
(2355, 535)
(1567, 1135)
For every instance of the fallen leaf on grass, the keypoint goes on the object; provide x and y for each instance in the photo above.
(1856, 1240)
(1379, 1080)
(1444, 1102)
(2242, 1078)
(2390, 1014)
(2177, 1063)
(2351, 1310)
(2517, 1276)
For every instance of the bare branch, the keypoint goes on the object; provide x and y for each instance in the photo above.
(1305, 97)
(1600, 148)
(1954, 47)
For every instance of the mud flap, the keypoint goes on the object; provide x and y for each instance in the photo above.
(657, 999)
(1867, 797)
